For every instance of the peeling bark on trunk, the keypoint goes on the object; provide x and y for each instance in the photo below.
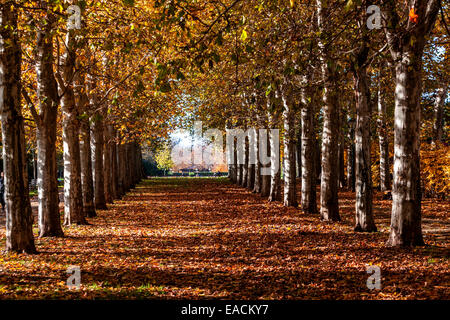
(73, 202)
(364, 216)
(289, 177)
(230, 148)
(97, 162)
(329, 206)
(251, 160)
(438, 127)
(115, 166)
(406, 48)
(107, 164)
(245, 164)
(351, 156)
(383, 141)
(47, 94)
(307, 152)
(121, 168)
(87, 182)
(258, 177)
(19, 219)
(406, 224)
(342, 180)
(298, 152)
(275, 172)
(265, 165)
(240, 160)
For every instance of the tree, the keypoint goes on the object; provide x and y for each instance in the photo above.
(163, 159)
(308, 141)
(329, 207)
(19, 219)
(73, 199)
(383, 137)
(47, 95)
(406, 37)
(289, 142)
(364, 220)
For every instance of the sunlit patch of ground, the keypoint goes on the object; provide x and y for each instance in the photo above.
(206, 238)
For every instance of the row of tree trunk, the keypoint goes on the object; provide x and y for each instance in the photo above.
(406, 46)
(97, 167)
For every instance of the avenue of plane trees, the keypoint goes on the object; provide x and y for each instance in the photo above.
(130, 71)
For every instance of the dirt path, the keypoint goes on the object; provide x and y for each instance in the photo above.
(203, 238)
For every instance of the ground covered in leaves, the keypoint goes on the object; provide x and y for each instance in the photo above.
(202, 238)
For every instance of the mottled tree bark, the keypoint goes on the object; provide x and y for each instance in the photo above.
(351, 155)
(383, 141)
(329, 206)
(115, 166)
(341, 150)
(121, 168)
(289, 141)
(231, 154)
(264, 156)
(19, 219)
(406, 48)
(97, 162)
(47, 94)
(240, 160)
(251, 159)
(275, 172)
(87, 182)
(245, 164)
(73, 202)
(307, 152)
(257, 166)
(107, 163)
(298, 151)
(364, 216)
(438, 126)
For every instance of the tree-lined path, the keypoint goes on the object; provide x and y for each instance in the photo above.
(204, 237)
(329, 119)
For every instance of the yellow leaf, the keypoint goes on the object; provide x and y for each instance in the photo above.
(244, 35)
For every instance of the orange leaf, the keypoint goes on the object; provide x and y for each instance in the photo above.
(413, 17)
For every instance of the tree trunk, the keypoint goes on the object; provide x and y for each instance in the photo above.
(73, 202)
(342, 180)
(257, 166)
(245, 164)
(385, 175)
(275, 173)
(251, 159)
(240, 160)
(364, 216)
(264, 156)
(231, 155)
(298, 152)
(121, 168)
(97, 161)
(438, 127)
(329, 206)
(351, 155)
(406, 224)
(19, 219)
(87, 181)
(107, 164)
(289, 177)
(407, 51)
(115, 166)
(47, 94)
(308, 143)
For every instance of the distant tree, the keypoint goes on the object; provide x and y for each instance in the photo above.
(164, 159)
